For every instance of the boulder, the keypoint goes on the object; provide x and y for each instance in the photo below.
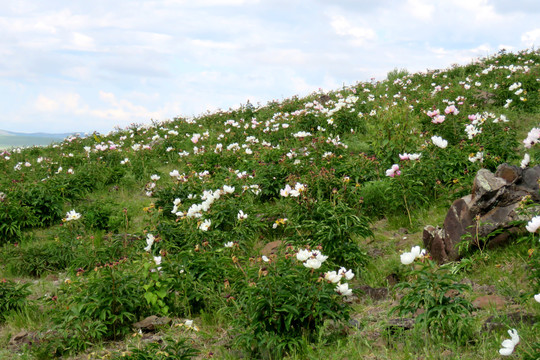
(486, 217)
(489, 301)
(151, 322)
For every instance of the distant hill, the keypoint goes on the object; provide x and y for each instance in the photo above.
(10, 139)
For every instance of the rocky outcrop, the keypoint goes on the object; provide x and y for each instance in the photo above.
(487, 216)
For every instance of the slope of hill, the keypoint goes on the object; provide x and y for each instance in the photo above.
(276, 231)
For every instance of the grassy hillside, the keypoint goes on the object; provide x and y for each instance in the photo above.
(274, 231)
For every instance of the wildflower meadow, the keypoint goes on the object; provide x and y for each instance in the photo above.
(291, 229)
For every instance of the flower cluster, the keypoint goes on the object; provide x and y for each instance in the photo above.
(279, 222)
(479, 156)
(312, 259)
(288, 191)
(336, 277)
(412, 157)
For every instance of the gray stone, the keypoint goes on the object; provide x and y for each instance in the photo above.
(487, 216)
(151, 322)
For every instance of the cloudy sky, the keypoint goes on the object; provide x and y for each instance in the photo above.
(83, 65)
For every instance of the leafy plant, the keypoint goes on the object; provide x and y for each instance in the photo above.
(435, 293)
(13, 297)
(283, 306)
(334, 226)
(102, 305)
(171, 349)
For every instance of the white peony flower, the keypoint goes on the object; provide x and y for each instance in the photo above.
(525, 161)
(533, 224)
(439, 141)
(407, 258)
(303, 255)
(312, 263)
(509, 344)
(347, 274)
(343, 289)
(332, 276)
(149, 242)
(241, 215)
(228, 189)
(72, 215)
(205, 225)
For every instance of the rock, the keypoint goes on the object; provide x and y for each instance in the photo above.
(489, 301)
(271, 248)
(486, 189)
(434, 241)
(400, 323)
(392, 279)
(23, 337)
(150, 323)
(509, 173)
(486, 217)
(19, 338)
(374, 293)
(500, 322)
(529, 182)
(457, 223)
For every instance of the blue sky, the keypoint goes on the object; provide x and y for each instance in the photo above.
(92, 65)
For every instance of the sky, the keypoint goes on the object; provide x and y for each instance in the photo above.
(84, 66)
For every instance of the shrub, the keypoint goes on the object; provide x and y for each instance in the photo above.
(171, 349)
(13, 297)
(102, 305)
(334, 226)
(430, 288)
(283, 306)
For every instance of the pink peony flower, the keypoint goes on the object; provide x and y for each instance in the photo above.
(393, 171)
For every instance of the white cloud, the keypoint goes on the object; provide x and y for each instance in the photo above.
(359, 34)
(46, 104)
(531, 38)
(61, 102)
(82, 42)
(420, 9)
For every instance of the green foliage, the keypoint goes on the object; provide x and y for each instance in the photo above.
(395, 74)
(199, 279)
(445, 314)
(102, 305)
(13, 219)
(103, 215)
(171, 349)
(13, 297)
(334, 226)
(37, 257)
(283, 306)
